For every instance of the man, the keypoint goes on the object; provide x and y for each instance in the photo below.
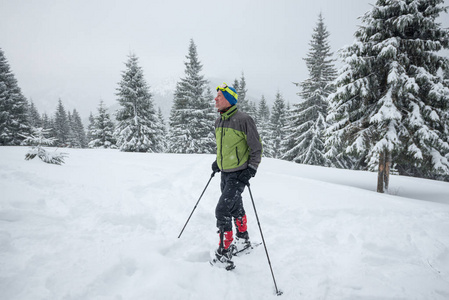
(239, 152)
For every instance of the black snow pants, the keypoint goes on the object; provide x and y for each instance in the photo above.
(230, 204)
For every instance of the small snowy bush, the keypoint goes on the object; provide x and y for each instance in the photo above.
(37, 139)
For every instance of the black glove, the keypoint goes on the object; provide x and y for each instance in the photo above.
(215, 167)
(247, 174)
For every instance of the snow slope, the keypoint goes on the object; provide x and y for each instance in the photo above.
(105, 226)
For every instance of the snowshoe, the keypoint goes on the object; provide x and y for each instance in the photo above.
(245, 249)
(223, 258)
(229, 265)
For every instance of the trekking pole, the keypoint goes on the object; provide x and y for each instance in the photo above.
(213, 174)
(278, 292)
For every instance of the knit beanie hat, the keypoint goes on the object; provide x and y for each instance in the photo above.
(231, 99)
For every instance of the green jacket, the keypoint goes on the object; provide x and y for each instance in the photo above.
(238, 142)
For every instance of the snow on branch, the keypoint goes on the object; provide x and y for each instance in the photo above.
(440, 162)
(388, 111)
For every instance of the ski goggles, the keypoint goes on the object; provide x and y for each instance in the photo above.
(224, 88)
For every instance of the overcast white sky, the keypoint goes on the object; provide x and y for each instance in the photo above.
(75, 50)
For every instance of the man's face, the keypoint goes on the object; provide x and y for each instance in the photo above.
(220, 101)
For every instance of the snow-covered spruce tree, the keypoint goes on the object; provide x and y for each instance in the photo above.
(210, 114)
(101, 129)
(164, 129)
(76, 133)
(46, 121)
(137, 122)
(191, 116)
(61, 127)
(263, 125)
(47, 125)
(34, 117)
(243, 102)
(276, 127)
(71, 139)
(288, 142)
(390, 104)
(308, 118)
(14, 121)
(236, 86)
(252, 110)
(90, 127)
(81, 133)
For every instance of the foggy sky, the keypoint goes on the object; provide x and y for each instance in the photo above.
(76, 50)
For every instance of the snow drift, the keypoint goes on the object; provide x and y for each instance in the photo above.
(105, 226)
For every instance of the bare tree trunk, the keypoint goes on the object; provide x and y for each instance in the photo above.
(387, 170)
(381, 173)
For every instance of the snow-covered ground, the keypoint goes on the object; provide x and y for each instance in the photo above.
(105, 226)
